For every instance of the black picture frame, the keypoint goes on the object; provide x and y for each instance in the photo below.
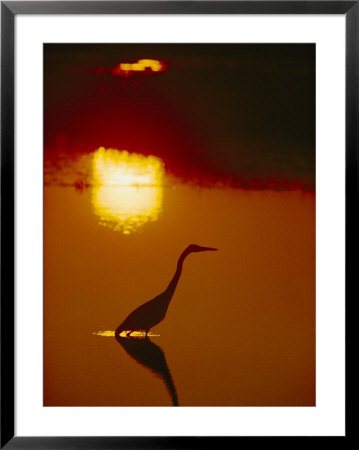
(9, 10)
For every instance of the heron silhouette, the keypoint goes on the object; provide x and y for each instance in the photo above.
(154, 311)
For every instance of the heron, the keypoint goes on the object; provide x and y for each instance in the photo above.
(154, 311)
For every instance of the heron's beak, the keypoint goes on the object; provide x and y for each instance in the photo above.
(206, 249)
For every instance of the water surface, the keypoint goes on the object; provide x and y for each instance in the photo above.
(240, 330)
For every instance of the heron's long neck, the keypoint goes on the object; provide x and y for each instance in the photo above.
(173, 283)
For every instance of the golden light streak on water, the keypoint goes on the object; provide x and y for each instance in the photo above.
(110, 333)
(107, 333)
(127, 189)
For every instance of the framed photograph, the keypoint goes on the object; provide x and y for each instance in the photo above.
(179, 196)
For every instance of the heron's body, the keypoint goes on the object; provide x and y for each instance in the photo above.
(152, 312)
(147, 315)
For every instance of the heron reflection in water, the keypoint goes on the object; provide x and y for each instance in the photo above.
(151, 356)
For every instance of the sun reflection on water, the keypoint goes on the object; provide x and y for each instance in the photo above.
(127, 189)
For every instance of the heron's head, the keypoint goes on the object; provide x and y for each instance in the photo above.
(197, 248)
